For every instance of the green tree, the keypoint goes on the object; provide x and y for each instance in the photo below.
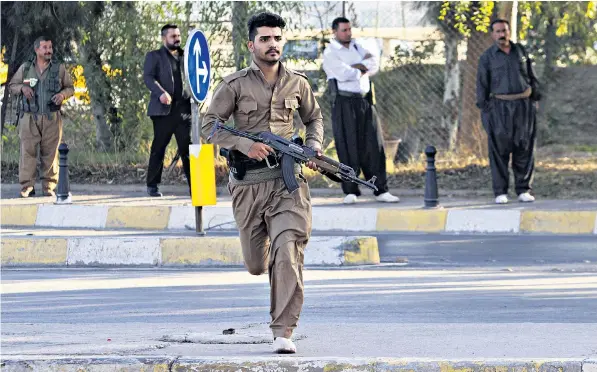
(443, 16)
(559, 33)
(112, 53)
(22, 22)
(471, 19)
(243, 10)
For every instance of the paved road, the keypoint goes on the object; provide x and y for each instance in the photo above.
(448, 302)
(449, 250)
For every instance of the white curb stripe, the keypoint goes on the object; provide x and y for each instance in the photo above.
(81, 216)
(485, 221)
(114, 251)
(218, 218)
(323, 250)
(344, 219)
(214, 218)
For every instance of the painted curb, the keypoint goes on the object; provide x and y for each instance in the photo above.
(558, 222)
(93, 364)
(19, 215)
(324, 219)
(172, 251)
(483, 221)
(411, 220)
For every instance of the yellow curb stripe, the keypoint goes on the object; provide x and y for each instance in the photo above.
(19, 215)
(151, 218)
(558, 222)
(362, 251)
(34, 251)
(206, 250)
(411, 220)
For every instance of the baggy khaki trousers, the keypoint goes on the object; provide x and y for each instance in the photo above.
(274, 229)
(39, 130)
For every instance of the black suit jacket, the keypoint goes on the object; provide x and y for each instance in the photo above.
(157, 75)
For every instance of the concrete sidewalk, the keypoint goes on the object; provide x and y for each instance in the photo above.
(107, 208)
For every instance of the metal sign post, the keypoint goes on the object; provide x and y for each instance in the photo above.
(198, 72)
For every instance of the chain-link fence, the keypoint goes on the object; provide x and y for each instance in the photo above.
(425, 90)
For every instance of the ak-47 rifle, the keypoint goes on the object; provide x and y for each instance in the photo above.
(288, 153)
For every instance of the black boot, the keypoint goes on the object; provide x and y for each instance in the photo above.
(154, 191)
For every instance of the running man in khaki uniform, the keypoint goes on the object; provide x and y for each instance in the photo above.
(274, 224)
(44, 85)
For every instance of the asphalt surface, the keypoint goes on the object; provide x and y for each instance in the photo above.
(447, 297)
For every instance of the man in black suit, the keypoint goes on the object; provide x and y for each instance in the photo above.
(169, 105)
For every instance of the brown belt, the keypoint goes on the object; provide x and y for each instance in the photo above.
(512, 97)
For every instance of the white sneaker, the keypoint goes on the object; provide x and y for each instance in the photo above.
(525, 197)
(501, 199)
(284, 346)
(350, 199)
(386, 197)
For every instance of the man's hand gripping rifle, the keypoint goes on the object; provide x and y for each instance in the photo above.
(288, 153)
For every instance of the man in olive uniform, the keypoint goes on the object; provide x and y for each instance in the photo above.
(274, 224)
(44, 85)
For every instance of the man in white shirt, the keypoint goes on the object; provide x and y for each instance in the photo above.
(357, 135)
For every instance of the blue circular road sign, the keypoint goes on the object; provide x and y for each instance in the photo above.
(197, 65)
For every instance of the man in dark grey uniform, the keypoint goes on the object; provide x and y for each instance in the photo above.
(507, 97)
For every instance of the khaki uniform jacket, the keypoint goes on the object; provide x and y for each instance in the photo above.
(66, 81)
(257, 107)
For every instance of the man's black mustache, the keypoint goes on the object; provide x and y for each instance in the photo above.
(274, 50)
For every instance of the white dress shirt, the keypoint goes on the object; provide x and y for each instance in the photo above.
(337, 61)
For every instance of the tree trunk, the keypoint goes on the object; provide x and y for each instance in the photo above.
(240, 11)
(12, 69)
(471, 137)
(188, 12)
(504, 10)
(451, 88)
(103, 135)
(99, 93)
(551, 49)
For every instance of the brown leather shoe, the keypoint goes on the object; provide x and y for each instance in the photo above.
(27, 192)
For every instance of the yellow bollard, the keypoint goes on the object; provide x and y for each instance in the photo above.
(203, 175)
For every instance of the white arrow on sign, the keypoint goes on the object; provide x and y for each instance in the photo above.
(200, 71)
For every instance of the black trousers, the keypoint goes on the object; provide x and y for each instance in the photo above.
(178, 124)
(511, 130)
(359, 142)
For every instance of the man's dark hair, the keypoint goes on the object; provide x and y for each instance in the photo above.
(264, 19)
(499, 20)
(168, 27)
(38, 41)
(337, 22)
